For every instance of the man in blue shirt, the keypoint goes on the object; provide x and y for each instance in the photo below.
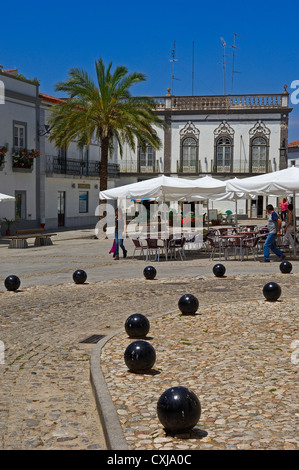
(274, 226)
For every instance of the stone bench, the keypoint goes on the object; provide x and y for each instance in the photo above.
(20, 239)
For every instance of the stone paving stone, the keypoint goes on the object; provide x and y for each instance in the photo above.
(235, 356)
(46, 398)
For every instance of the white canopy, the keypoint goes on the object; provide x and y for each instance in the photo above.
(167, 188)
(6, 197)
(278, 183)
(208, 188)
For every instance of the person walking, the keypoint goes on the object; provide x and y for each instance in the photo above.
(120, 233)
(274, 226)
(289, 228)
(284, 205)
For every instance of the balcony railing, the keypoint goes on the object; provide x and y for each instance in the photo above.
(218, 102)
(68, 166)
(132, 166)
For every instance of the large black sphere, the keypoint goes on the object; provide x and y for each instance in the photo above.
(140, 356)
(188, 304)
(219, 270)
(272, 291)
(285, 267)
(149, 272)
(178, 409)
(137, 325)
(12, 282)
(79, 276)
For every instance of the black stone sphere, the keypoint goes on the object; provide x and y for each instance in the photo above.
(178, 410)
(219, 270)
(285, 267)
(149, 272)
(137, 326)
(272, 291)
(12, 282)
(140, 356)
(79, 276)
(188, 304)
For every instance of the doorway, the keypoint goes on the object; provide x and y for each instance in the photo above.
(20, 205)
(260, 206)
(61, 208)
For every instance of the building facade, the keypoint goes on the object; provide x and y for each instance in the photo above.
(293, 153)
(222, 136)
(59, 187)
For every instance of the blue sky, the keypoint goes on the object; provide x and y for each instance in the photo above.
(44, 40)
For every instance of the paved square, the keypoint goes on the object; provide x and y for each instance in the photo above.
(236, 354)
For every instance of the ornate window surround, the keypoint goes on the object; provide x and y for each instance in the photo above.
(189, 131)
(261, 131)
(224, 131)
(142, 169)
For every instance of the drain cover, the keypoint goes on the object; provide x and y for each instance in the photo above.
(93, 339)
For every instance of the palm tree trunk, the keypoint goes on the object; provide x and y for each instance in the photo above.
(104, 163)
(104, 178)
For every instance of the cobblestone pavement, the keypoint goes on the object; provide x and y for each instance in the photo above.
(237, 358)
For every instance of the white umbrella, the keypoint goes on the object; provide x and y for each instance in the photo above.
(283, 182)
(276, 183)
(6, 197)
(159, 188)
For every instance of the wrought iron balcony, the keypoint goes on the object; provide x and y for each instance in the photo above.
(68, 166)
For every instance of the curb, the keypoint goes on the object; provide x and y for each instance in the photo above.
(113, 433)
(115, 439)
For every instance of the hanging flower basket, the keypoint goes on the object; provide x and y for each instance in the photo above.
(23, 158)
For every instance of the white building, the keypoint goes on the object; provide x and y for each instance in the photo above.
(222, 136)
(293, 153)
(60, 188)
(18, 120)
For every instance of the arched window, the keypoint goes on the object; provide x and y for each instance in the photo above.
(259, 155)
(224, 154)
(147, 159)
(189, 155)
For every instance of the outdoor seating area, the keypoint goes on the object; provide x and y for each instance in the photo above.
(228, 243)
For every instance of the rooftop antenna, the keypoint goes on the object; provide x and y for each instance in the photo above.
(223, 62)
(173, 60)
(192, 68)
(233, 67)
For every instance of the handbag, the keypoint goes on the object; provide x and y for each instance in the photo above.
(112, 248)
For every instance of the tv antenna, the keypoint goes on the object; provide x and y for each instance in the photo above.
(192, 68)
(173, 60)
(233, 66)
(223, 62)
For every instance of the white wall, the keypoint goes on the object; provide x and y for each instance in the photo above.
(16, 109)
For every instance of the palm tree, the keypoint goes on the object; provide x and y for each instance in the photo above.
(105, 110)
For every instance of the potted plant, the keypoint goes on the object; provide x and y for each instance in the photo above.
(3, 151)
(23, 158)
(8, 223)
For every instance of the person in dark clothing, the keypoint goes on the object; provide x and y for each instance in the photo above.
(120, 233)
(274, 226)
